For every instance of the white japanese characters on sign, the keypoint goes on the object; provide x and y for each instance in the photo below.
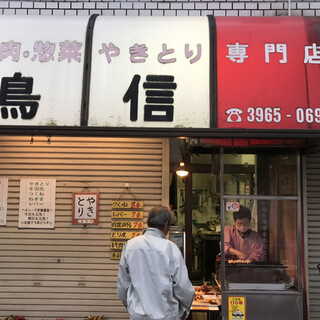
(279, 48)
(312, 54)
(238, 52)
(150, 72)
(37, 203)
(3, 201)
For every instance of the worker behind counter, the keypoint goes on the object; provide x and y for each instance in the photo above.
(240, 242)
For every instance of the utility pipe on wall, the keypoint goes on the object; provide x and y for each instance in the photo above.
(289, 8)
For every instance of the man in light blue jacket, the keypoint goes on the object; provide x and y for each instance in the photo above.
(153, 282)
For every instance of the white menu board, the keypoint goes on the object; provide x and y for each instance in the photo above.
(3, 201)
(37, 203)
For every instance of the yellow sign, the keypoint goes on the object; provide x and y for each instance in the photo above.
(127, 214)
(236, 308)
(127, 225)
(117, 245)
(115, 255)
(127, 204)
(124, 234)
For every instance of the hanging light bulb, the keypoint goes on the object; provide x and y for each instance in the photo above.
(182, 170)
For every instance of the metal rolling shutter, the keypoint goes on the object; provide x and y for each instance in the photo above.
(67, 273)
(312, 235)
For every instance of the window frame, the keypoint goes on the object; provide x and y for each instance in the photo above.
(224, 197)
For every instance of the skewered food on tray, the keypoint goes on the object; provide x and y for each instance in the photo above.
(239, 261)
(204, 294)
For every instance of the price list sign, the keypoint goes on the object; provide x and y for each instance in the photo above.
(236, 308)
(126, 223)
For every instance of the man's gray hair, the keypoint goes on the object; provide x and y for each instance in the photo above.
(158, 216)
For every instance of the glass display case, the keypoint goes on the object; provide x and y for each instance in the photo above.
(270, 195)
(276, 230)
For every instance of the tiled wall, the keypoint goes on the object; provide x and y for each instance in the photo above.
(162, 7)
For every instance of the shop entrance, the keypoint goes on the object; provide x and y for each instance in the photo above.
(222, 180)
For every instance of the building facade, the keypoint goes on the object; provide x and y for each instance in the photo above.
(68, 272)
(162, 8)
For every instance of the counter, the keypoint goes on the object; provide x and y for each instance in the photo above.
(206, 302)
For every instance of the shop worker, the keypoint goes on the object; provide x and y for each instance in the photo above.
(240, 242)
(153, 281)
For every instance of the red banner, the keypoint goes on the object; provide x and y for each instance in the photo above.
(268, 72)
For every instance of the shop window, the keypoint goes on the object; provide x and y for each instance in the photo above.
(261, 255)
(260, 250)
(266, 183)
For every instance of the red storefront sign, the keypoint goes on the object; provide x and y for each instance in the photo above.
(268, 72)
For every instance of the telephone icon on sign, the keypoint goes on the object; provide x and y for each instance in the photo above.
(234, 115)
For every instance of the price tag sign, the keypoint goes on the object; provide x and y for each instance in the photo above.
(124, 234)
(236, 308)
(115, 255)
(127, 204)
(127, 225)
(127, 214)
(117, 245)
